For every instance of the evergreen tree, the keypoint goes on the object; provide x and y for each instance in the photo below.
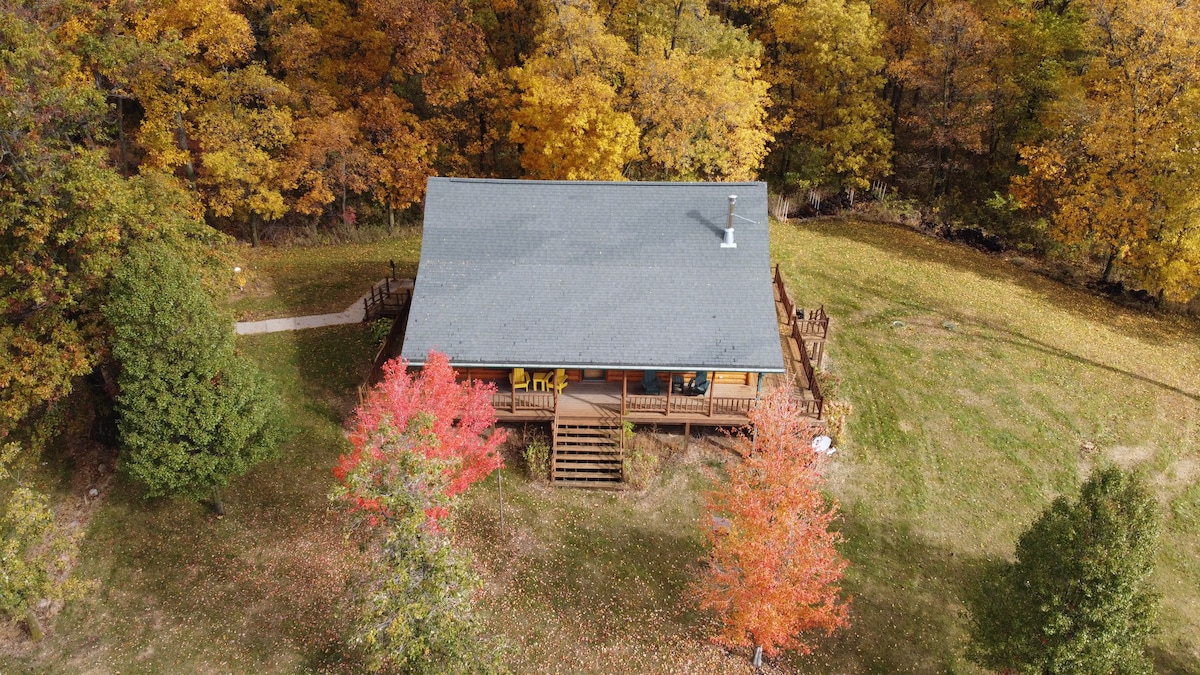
(192, 412)
(1077, 599)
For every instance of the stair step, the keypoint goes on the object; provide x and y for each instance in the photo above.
(606, 463)
(586, 443)
(588, 484)
(587, 454)
(581, 475)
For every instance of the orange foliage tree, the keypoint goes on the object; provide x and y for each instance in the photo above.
(440, 418)
(773, 569)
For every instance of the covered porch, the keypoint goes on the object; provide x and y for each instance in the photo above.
(725, 403)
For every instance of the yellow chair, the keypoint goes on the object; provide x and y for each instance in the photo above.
(519, 379)
(560, 380)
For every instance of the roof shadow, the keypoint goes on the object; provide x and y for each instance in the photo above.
(699, 218)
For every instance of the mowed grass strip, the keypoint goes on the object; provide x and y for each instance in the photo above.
(301, 280)
(978, 391)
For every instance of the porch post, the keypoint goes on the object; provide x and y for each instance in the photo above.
(712, 385)
(670, 385)
(514, 398)
(624, 387)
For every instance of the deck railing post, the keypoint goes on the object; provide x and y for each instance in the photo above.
(624, 388)
(712, 387)
(514, 399)
(670, 386)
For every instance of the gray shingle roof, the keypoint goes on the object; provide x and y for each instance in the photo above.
(597, 275)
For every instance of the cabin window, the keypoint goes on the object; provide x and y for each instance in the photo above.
(594, 375)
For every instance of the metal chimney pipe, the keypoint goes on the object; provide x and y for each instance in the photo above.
(728, 241)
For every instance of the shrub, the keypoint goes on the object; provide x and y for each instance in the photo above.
(379, 330)
(537, 459)
(640, 463)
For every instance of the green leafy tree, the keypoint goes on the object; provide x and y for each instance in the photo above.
(193, 413)
(66, 218)
(1078, 597)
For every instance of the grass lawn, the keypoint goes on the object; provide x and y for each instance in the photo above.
(974, 385)
(301, 280)
(182, 592)
(595, 582)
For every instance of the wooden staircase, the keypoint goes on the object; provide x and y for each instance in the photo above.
(587, 453)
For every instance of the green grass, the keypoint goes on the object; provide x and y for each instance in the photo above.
(301, 280)
(961, 435)
(594, 582)
(258, 591)
(957, 440)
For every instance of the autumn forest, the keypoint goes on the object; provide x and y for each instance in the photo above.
(149, 147)
(1058, 125)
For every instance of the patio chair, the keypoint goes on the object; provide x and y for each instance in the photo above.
(650, 384)
(677, 383)
(559, 382)
(519, 379)
(698, 385)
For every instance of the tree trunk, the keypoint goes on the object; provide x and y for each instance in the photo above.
(1109, 266)
(218, 505)
(181, 137)
(35, 627)
(121, 136)
(391, 220)
(254, 229)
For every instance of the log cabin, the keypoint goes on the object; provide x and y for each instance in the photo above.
(593, 304)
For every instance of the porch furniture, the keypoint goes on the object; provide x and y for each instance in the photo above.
(698, 385)
(677, 383)
(542, 379)
(519, 379)
(650, 382)
(560, 380)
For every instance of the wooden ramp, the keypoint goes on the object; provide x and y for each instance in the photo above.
(587, 452)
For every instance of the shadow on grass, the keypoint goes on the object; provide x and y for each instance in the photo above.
(896, 240)
(1174, 662)
(907, 610)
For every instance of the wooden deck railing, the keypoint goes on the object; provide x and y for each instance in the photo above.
(523, 400)
(689, 405)
(385, 301)
(814, 328)
(815, 325)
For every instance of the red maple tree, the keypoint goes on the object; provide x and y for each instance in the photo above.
(773, 569)
(430, 414)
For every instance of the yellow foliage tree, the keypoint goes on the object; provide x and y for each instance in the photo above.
(1119, 176)
(570, 121)
(825, 67)
(697, 94)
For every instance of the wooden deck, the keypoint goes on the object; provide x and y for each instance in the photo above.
(801, 340)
